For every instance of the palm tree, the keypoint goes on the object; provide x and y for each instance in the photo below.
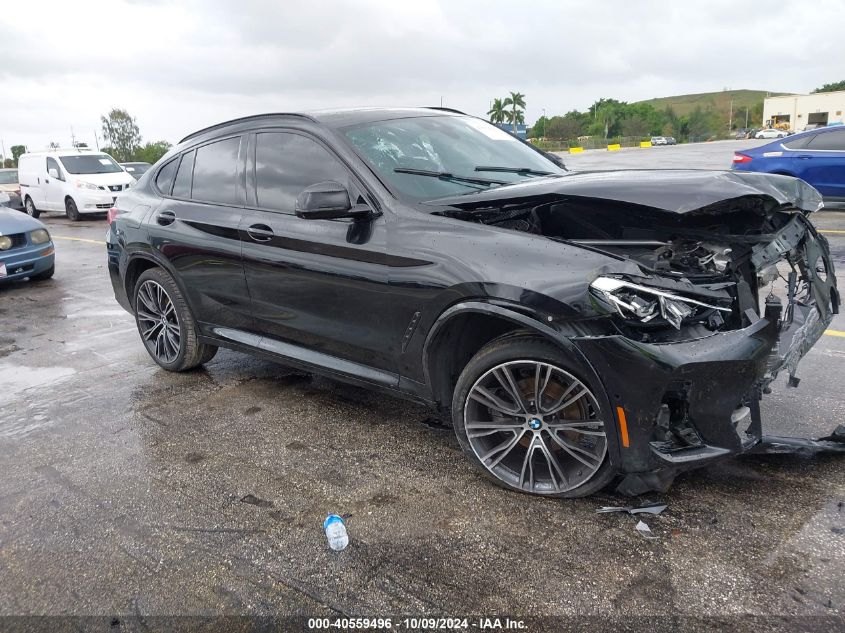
(497, 113)
(516, 101)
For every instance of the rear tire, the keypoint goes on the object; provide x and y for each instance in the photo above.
(549, 440)
(29, 207)
(71, 211)
(167, 327)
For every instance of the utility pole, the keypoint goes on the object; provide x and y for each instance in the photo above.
(746, 118)
(731, 116)
(96, 140)
(72, 137)
(544, 122)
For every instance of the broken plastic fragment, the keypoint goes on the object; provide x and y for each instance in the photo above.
(644, 530)
(651, 508)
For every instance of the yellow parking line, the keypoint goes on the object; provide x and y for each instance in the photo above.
(77, 239)
(835, 333)
(831, 231)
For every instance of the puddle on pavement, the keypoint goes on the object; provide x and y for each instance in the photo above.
(16, 378)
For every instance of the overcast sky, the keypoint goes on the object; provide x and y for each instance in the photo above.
(179, 66)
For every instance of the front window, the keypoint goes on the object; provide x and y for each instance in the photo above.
(456, 152)
(9, 177)
(90, 164)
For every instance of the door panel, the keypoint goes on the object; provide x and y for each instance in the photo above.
(201, 239)
(822, 163)
(321, 284)
(54, 188)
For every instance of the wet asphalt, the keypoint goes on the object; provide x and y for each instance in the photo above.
(125, 489)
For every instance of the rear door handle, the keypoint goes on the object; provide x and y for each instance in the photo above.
(165, 218)
(260, 232)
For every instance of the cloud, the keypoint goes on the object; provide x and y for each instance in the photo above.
(179, 67)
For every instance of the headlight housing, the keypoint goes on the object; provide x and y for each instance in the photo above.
(634, 301)
(5, 242)
(39, 236)
(81, 184)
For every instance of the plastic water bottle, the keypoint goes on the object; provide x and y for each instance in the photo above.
(335, 529)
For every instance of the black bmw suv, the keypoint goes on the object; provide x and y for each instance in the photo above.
(574, 327)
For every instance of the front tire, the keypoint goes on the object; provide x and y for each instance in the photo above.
(166, 325)
(71, 211)
(526, 417)
(29, 207)
(46, 274)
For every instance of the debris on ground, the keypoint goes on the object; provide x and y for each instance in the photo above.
(335, 528)
(776, 445)
(649, 508)
(644, 530)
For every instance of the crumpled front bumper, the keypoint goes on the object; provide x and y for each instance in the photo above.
(686, 403)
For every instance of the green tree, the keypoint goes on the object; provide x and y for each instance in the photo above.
(497, 113)
(151, 152)
(9, 163)
(54, 145)
(121, 133)
(539, 128)
(516, 101)
(17, 151)
(839, 85)
(564, 127)
(635, 126)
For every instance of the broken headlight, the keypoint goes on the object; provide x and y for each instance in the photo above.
(633, 301)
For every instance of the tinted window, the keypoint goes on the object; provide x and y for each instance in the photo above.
(164, 180)
(285, 164)
(216, 172)
(799, 143)
(182, 184)
(52, 164)
(834, 141)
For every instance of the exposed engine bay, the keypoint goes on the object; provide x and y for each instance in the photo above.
(711, 270)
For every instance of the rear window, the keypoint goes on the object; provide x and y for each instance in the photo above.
(830, 141)
(182, 184)
(216, 172)
(90, 164)
(164, 179)
(799, 143)
(9, 177)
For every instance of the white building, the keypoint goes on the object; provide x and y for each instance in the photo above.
(799, 111)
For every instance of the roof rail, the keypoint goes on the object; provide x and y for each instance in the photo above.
(444, 109)
(243, 119)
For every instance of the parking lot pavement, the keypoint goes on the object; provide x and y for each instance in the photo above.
(126, 489)
(715, 155)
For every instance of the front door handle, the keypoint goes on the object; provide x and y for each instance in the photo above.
(803, 156)
(165, 218)
(260, 232)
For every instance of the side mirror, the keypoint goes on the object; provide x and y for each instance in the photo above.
(328, 201)
(54, 173)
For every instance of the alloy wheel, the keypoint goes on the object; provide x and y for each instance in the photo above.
(157, 321)
(535, 427)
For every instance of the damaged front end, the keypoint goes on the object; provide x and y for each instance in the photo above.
(706, 307)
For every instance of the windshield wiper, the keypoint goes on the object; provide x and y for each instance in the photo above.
(445, 175)
(515, 170)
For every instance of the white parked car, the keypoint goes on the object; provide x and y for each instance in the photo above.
(76, 181)
(771, 133)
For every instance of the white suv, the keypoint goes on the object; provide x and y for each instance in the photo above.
(76, 181)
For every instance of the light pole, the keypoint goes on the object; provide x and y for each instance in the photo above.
(544, 124)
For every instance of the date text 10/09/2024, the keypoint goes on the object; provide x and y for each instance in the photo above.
(442, 624)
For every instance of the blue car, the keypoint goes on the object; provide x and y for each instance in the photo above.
(26, 249)
(816, 156)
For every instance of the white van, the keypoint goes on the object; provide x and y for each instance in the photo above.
(76, 181)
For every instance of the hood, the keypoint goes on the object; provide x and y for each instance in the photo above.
(674, 191)
(16, 222)
(113, 178)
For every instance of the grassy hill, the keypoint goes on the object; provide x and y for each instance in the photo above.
(720, 101)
